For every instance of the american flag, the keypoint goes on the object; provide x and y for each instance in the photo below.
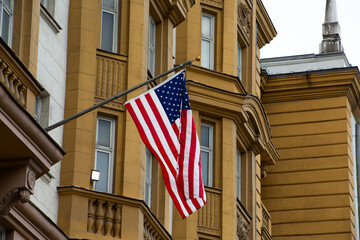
(164, 120)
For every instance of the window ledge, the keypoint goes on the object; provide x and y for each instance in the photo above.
(50, 19)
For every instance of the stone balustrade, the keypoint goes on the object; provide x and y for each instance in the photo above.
(16, 78)
(209, 218)
(243, 223)
(266, 224)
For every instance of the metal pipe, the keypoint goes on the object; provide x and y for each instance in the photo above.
(62, 122)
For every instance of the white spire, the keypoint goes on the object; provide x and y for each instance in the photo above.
(331, 11)
(331, 30)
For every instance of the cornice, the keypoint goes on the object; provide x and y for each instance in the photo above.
(314, 84)
(265, 27)
(245, 109)
(176, 10)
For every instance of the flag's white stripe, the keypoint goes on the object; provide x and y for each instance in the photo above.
(150, 139)
(160, 133)
(166, 120)
(197, 168)
(187, 154)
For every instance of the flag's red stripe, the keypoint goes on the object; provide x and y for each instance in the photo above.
(163, 168)
(155, 136)
(192, 158)
(183, 128)
(175, 128)
(164, 129)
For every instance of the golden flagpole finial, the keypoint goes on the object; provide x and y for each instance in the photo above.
(197, 59)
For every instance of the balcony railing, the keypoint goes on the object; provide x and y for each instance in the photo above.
(111, 75)
(107, 215)
(17, 79)
(243, 222)
(209, 220)
(266, 225)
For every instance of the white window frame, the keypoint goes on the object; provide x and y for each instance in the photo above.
(148, 158)
(239, 60)
(209, 150)
(115, 14)
(210, 39)
(151, 48)
(238, 174)
(109, 150)
(9, 10)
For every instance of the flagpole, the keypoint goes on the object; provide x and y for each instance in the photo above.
(58, 124)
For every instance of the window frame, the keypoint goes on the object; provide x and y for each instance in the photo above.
(115, 13)
(10, 11)
(210, 150)
(238, 174)
(151, 58)
(210, 39)
(148, 158)
(110, 150)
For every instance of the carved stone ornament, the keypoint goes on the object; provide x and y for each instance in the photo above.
(242, 230)
(244, 16)
(11, 198)
(31, 179)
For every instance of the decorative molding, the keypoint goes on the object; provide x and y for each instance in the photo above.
(13, 197)
(243, 228)
(244, 17)
(214, 3)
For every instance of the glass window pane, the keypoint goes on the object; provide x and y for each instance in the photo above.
(205, 54)
(206, 26)
(7, 3)
(5, 26)
(148, 162)
(205, 132)
(102, 165)
(238, 188)
(205, 167)
(103, 134)
(107, 31)
(147, 194)
(108, 4)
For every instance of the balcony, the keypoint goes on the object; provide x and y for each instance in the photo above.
(209, 220)
(111, 75)
(243, 222)
(17, 79)
(106, 216)
(266, 225)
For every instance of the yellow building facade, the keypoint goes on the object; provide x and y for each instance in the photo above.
(115, 45)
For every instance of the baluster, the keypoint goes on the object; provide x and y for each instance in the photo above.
(117, 220)
(2, 66)
(91, 215)
(108, 218)
(22, 93)
(12, 79)
(17, 83)
(6, 74)
(99, 222)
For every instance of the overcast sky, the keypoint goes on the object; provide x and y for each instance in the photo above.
(299, 27)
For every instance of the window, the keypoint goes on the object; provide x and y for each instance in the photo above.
(207, 40)
(206, 148)
(42, 109)
(6, 19)
(148, 172)
(151, 46)
(49, 5)
(239, 56)
(238, 174)
(109, 23)
(2, 234)
(104, 153)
